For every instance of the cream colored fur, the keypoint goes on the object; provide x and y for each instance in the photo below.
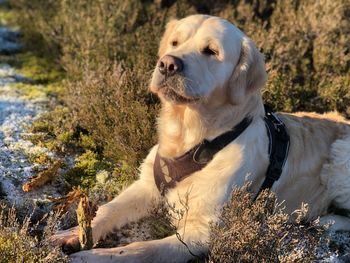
(228, 84)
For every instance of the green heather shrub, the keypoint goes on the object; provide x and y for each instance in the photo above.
(120, 111)
(87, 165)
(40, 70)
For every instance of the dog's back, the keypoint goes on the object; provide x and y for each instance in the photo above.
(318, 166)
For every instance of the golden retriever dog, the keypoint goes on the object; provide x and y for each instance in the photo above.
(209, 78)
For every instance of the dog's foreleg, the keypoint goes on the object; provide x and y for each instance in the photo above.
(131, 205)
(173, 249)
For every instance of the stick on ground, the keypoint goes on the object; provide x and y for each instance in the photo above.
(86, 211)
(42, 178)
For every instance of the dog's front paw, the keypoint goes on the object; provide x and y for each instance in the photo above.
(68, 239)
(139, 252)
(87, 256)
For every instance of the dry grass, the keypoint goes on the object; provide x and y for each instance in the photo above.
(19, 244)
(261, 232)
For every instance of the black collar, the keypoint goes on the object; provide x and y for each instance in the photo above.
(167, 172)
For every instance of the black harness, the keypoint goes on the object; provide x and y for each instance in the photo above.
(279, 142)
(167, 172)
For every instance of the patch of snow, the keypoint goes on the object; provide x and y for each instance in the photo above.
(17, 113)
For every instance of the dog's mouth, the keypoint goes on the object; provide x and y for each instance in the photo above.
(170, 94)
(174, 89)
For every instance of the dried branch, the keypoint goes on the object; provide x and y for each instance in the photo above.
(63, 203)
(86, 211)
(42, 178)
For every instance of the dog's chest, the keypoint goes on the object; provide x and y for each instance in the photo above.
(206, 190)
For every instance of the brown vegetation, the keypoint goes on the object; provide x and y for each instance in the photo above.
(18, 243)
(107, 50)
(261, 232)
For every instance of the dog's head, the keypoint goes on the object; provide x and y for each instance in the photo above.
(203, 55)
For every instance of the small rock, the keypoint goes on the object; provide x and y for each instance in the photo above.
(102, 177)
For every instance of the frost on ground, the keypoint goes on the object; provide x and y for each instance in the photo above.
(16, 114)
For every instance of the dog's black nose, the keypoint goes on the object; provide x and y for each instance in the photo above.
(170, 65)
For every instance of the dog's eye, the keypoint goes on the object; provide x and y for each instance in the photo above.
(174, 43)
(209, 51)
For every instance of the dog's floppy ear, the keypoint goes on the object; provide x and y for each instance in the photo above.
(164, 42)
(249, 73)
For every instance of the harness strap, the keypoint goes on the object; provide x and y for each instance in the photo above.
(279, 142)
